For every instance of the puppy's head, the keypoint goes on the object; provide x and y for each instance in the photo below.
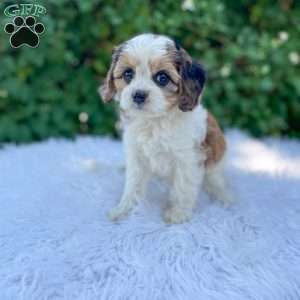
(150, 74)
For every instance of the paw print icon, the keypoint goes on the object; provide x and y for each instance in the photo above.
(24, 32)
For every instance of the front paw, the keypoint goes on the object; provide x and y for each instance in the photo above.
(118, 213)
(176, 215)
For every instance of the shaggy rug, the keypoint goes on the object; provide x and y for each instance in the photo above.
(57, 243)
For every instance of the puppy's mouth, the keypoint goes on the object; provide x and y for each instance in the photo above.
(144, 109)
(140, 106)
(136, 109)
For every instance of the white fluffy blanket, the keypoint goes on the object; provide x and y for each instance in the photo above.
(57, 243)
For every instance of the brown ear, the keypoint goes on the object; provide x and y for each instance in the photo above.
(107, 90)
(192, 81)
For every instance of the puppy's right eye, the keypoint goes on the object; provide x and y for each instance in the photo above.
(128, 75)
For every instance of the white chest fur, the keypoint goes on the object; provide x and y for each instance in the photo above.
(162, 144)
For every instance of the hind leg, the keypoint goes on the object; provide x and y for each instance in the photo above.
(215, 184)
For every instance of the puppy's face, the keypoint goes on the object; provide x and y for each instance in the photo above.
(150, 74)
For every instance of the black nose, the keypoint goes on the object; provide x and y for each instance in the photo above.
(139, 97)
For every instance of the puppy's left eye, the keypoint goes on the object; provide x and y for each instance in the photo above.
(161, 78)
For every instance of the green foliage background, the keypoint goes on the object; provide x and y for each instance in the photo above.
(249, 49)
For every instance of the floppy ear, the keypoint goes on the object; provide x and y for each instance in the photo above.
(192, 81)
(107, 90)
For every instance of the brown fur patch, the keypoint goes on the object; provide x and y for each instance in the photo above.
(192, 78)
(125, 61)
(214, 143)
(165, 63)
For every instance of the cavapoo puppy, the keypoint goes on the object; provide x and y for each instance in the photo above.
(167, 132)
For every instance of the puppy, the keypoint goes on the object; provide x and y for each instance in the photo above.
(167, 132)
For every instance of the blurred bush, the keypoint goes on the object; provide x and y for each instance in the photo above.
(249, 48)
